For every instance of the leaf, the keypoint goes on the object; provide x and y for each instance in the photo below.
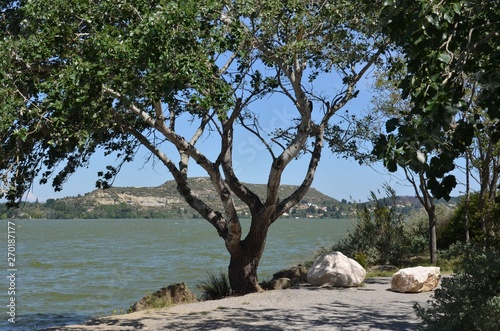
(391, 125)
(433, 20)
(444, 57)
(392, 166)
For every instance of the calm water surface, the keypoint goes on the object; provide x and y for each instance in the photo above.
(71, 270)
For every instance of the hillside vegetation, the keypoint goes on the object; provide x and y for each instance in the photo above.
(164, 202)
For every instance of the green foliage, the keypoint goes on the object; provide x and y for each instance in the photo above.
(361, 258)
(381, 236)
(448, 47)
(155, 302)
(215, 286)
(71, 71)
(417, 229)
(80, 78)
(453, 231)
(470, 299)
(62, 209)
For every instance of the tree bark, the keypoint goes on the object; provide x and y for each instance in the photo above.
(243, 265)
(427, 201)
(242, 272)
(467, 196)
(432, 236)
(246, 255)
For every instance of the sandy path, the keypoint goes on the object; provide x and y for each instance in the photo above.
(372, 307)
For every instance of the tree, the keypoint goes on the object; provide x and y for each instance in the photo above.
(451, 232)
(447, 47)
(82, 78)
(408, 150)
(444, 45)
(483, 163)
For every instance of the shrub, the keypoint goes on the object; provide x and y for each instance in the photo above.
(453, 231)
(469, 300)
(417, 231)
(215, 287)
(381, 236)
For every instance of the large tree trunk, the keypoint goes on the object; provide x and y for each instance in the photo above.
(245, 258)
(242, 273)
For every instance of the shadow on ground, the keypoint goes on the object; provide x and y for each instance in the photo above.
(334, 316)
(373, 307)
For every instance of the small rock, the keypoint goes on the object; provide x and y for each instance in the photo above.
(415, 280)
(277, 284)
(166, 296)
(297, 274)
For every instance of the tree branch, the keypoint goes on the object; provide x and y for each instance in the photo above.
(304, 187)
(182, 145)
(212, 216)
(226, 161)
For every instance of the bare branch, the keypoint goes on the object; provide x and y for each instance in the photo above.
(302, 190)
(350, 89)
(182, 145)
(212, 216)
(257, 134)
(226, 160)
(224, 68)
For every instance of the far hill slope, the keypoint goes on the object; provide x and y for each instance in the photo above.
(165, 197)
(166, 203)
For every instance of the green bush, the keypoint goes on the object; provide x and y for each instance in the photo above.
(470, 299)
(453, 231)
(215, 287)
(381, 235)
(417, 233)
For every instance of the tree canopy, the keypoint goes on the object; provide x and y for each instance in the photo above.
(449, 48)
(84, 77)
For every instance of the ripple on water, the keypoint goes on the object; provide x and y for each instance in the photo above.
(95, 267)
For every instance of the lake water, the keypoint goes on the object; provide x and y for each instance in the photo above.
(71, 270)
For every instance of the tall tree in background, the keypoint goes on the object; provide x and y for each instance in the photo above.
(84, 77)
(409, 150)
(483, 160)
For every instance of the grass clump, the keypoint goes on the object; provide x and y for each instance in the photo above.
(215, 287)
(158, 302)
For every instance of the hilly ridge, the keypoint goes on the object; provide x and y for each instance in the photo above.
(165, 202)
(166, 196)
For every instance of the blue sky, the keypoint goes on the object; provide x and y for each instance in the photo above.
(336, 177)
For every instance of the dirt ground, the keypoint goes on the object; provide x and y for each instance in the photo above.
(370, 307)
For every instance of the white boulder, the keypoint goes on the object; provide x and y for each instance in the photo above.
(336, 269)
(415, 280)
